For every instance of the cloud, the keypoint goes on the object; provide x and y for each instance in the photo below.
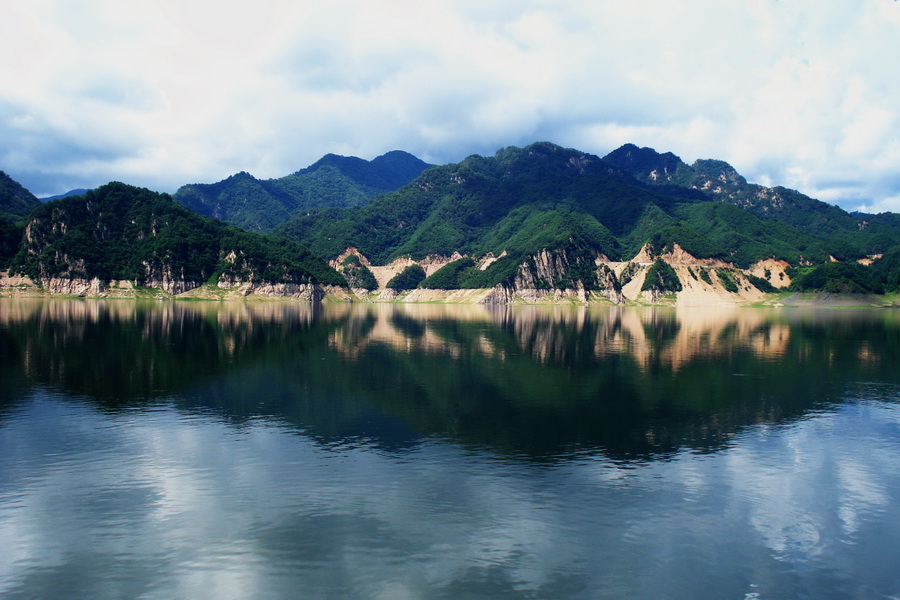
(165, 93)
(255, 508)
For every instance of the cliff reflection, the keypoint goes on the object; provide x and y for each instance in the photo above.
(524, 381)
(650, 336)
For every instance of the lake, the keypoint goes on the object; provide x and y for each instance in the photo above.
(281, 450)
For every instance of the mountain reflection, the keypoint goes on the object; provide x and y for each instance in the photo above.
(530, 382)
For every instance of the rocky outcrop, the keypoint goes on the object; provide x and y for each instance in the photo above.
(433, 262)
(162, 276)
(72, 287)
(541, 270)
(499, 295)
(772, 270)
(676, 255)
(488, 259)
(301, 291)
(97, 288)
(576, 274)
(610, 287)
(573, 273)
(338, 262)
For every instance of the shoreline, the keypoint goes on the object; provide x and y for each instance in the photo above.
(24, 287)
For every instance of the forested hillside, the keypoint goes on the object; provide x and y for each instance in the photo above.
(332, 181)
(120, 232)
(15, 201)
(823, 229)
(525, 200)
(15, 204)
(519, 201)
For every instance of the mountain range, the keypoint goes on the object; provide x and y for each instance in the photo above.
(523, 201)
(542, 217)
(259, 205)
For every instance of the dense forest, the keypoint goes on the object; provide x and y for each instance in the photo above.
(524, 200)
(120, 232)
(16, 203)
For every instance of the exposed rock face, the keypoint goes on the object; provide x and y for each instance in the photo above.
(97, 288)
(73, 287)
(679, 256)
(543, 277)
(499, 295)
(387, 294)
(676, 256)
(489, 259)
(579, 275)
(433, 262)
(302, 291)
(541, 270)
(350, 251)
(161, 276)
(773, 271)
(553, 269)
(610, 287)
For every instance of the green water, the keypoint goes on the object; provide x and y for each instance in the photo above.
(283, 450)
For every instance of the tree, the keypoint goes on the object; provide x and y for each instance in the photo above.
(408, 279)
(661, 277)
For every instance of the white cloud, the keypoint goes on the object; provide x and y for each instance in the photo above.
(166, 93)
(887, 204)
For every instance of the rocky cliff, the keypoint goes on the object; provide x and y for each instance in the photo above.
(572, 275)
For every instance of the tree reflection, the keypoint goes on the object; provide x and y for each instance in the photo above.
(532, 382)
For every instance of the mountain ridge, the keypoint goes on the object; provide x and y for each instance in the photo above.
(718, 180)
(522, 203)
(461, 199)
(260, 205)
(544, 219)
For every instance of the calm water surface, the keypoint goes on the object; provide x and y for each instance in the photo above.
(195, 450)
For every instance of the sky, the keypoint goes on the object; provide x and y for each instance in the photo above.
(799, 93)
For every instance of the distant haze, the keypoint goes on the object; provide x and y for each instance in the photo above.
(800, 94)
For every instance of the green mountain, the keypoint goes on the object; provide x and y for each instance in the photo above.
(716, 180)
(15, 201)
(382, 174)
(518, 201)
(120, 232)
(541, 217)
(525, 201)
(15, 204)
(342, 181)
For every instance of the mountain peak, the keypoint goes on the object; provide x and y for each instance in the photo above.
(720, 170)
(387, 172)
(646, 164)
(332, 181)
(545, 155)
